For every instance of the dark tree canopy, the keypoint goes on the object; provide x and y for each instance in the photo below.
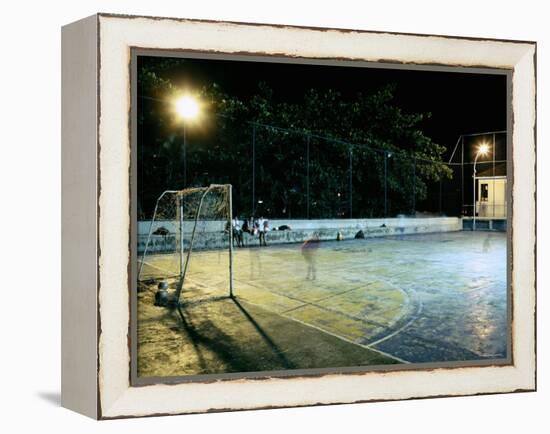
(322, 155)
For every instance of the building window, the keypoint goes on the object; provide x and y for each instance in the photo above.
(484, 197)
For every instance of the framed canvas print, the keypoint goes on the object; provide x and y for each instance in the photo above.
(260, 216)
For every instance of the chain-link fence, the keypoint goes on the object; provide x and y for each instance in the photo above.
(286, 173)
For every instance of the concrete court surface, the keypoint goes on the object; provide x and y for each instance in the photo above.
(414, 298)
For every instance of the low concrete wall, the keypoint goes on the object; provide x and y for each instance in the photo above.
(495, 224)
(212, 234)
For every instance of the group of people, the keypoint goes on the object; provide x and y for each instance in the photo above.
(251, 226)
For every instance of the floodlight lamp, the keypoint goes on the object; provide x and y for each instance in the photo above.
(483, 149)
(187, 107)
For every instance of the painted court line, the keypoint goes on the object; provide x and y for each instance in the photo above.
(318, 306)
(312, 303)
(391, 356)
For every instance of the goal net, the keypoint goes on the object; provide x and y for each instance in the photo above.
(188, 243)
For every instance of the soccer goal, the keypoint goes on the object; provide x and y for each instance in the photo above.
(189, 241)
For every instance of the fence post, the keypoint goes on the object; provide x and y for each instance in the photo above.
(350, 182)
(307, 175)
(229, 190)
(441, 196)
(414, 185)
(494, 153)
(385, 184)
(462, 177)
(253, 169)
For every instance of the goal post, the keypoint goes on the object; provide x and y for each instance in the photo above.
(186, 230)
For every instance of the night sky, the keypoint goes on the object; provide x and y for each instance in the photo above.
(460, 103)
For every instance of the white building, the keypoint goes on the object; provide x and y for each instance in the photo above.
(491, 198)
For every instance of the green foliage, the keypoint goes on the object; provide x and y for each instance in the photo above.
(370, 127)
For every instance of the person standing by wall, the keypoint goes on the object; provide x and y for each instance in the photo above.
(237, 231)
(261, 230)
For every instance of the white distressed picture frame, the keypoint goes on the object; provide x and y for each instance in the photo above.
(96, 215)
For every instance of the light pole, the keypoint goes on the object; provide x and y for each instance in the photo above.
(187, 109)
(483, 149)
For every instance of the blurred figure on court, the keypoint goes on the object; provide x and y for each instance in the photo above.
(487, 243)
(309, 251)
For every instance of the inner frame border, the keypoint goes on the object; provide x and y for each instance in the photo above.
(136, 381)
